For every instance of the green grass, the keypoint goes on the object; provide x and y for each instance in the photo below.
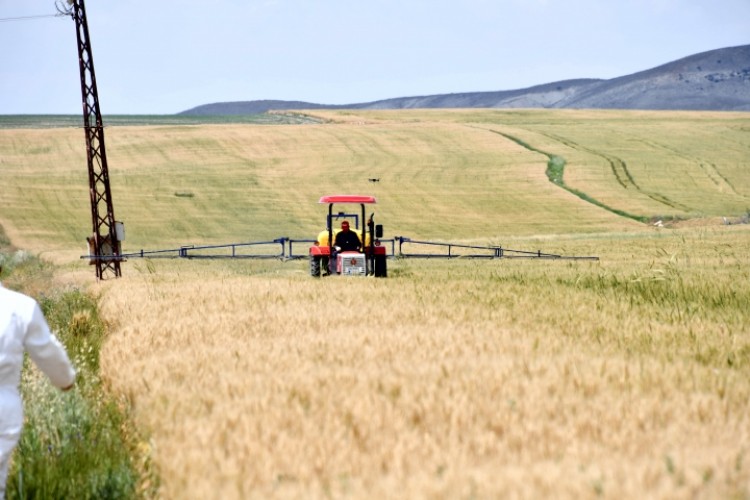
(78, 444)
(57, 121)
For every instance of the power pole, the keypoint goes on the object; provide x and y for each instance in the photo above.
(104, 244)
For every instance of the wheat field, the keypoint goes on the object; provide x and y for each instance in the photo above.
(443, 175)
(626, 377)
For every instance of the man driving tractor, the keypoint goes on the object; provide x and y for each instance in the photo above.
(347, 240)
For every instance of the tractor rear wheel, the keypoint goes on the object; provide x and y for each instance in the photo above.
(315, 265)
(381, 268)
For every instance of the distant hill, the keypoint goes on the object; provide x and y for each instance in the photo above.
(715, 80)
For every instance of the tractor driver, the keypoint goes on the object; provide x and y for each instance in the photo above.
(346, 240)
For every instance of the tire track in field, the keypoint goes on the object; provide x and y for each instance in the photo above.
(620, 170)
(557, 180)
(709, 168)
(617, 165)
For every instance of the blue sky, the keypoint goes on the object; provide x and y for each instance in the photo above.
(165, 56)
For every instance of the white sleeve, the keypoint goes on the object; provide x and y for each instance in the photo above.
(47, 352)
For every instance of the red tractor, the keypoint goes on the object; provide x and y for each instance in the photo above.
(348, 252)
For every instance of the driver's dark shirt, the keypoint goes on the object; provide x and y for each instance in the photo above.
(347, 240)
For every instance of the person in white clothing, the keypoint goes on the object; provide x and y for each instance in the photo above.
(23, 328)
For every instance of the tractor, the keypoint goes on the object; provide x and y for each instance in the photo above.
(368, 259)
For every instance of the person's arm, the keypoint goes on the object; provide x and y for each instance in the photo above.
(47, 352)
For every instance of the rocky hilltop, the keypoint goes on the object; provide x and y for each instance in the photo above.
(716, 80)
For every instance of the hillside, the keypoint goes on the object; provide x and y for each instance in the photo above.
(444, 175)
(717, 80)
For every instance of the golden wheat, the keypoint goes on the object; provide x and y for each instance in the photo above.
(449, 379)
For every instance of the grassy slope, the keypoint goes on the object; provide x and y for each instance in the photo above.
(649, 163)
(444, 175)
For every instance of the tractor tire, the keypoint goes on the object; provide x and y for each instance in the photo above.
(315, 266)
(381, 266)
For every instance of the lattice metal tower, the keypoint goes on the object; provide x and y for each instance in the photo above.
(104, 243)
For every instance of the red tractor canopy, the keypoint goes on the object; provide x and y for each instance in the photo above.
(347, 198)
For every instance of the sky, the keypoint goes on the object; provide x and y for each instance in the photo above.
(167, 56)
